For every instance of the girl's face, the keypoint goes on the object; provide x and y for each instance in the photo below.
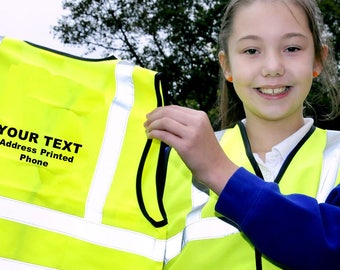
(271, 59)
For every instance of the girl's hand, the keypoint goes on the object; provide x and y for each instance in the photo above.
(190, 133)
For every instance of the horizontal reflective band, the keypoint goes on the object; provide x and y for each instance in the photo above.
(117, 120)
(7, 264)
(76, 227)
(206, 228)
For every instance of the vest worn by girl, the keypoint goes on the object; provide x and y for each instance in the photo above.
(201, 240)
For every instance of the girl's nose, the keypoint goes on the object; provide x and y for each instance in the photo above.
(273, 65)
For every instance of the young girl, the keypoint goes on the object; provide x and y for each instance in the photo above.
(270, 52)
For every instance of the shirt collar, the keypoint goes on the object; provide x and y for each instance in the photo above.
(286, 146)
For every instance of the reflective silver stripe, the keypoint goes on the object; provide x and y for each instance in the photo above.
(206, 228)
(76, 227)
(113, 139)
(200, 196)
(1, 38)
(330, 165)
(7, 264)
(197, 228)
(219, 134)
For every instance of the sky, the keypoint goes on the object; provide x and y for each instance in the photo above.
(32, 20)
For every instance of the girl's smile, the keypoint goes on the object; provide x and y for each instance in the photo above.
(273, 91)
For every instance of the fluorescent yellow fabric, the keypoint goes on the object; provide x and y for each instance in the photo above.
(62, 205)
(220, 246)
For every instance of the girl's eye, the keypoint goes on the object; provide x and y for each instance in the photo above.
(251, 51)
(293, 49)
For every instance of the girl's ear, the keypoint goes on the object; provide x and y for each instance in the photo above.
(224, 63)
(318, 64)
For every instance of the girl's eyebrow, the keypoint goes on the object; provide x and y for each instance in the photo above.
(249, 37)
(292, 35)
(285, 36)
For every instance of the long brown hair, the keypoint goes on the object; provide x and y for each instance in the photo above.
(230, 106)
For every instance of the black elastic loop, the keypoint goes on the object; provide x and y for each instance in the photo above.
(160, 183)
(161, 169)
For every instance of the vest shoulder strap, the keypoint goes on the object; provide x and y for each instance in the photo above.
(330, 165)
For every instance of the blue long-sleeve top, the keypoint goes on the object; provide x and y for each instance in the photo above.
(294, 230)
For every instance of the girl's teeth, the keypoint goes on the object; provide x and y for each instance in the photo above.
(274, 91)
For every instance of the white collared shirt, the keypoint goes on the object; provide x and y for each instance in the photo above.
(275, 158)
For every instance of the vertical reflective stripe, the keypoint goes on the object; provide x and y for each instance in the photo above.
(219, 134)
(7, 264)
(79, 228)
(112, 143)
(197, 228)
(1, 38)
(330, 165)
(199, 197)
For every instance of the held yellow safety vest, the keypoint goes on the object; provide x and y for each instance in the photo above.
(80, 185)
(200, 240)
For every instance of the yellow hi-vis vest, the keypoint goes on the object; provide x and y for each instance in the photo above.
(80, 185)
(205, 242)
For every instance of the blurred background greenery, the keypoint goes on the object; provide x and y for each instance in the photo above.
(176, 38)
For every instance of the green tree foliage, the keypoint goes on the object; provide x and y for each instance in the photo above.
(331, 14)
(177, 38)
